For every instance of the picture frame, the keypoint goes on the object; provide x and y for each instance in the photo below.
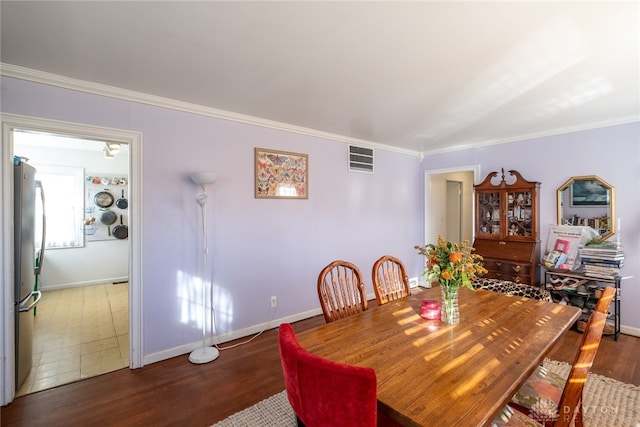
(589, 192)
(281, 174)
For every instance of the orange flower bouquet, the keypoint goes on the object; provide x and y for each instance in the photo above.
(453, 265)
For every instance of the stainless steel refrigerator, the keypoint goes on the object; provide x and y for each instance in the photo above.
(28, 261)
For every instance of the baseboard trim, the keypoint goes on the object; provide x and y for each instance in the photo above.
(220, 339)
(628, 330)
(114, 280)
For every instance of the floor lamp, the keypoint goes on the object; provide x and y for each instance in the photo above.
(204, 354)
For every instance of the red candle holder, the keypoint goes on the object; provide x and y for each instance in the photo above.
(430, 309)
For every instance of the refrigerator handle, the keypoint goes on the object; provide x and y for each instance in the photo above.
(38, 295)
(38, 268)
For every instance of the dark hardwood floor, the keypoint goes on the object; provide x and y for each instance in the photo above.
(175, 392)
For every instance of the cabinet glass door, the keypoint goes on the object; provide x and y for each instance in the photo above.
(489, 213)
(519, 212)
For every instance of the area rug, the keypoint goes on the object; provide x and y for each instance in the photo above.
(274, 411)
(607, 403)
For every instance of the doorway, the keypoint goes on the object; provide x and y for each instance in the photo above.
(81, 326)
(133, 274)
(449, 203)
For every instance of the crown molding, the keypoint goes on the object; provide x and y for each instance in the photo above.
(547, 134)
(22, 73)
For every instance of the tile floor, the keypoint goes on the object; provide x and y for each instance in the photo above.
(79, 333)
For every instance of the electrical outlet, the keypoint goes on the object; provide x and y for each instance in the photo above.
(274, 301)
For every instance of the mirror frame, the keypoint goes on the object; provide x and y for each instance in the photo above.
(569, 183)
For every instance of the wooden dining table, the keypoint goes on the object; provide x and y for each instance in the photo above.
(434, 374)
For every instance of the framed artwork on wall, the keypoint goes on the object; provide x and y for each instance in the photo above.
(281, 174)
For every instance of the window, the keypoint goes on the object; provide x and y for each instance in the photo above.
(63, 188)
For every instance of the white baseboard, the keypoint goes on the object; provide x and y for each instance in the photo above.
(80, 284)
(413, 282)
(628, 330)
(220, 339)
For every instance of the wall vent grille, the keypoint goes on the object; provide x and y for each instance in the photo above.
(360, 159)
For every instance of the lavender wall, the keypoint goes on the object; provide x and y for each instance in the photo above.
(258, 248)
(612, 153)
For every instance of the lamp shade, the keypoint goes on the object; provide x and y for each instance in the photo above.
(204, 179)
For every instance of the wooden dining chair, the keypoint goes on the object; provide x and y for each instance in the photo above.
(537, 403)
(608, 293)
(328, 393)
(341, 291)
(390, 280)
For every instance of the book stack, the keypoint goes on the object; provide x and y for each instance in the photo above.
(603, 260)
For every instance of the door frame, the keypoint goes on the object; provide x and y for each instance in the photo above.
(134, 140)
(454, 206)
(429, 195)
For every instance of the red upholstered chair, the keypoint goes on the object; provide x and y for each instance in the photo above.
(341, 291)
(328, 393)
(546, 399)
(390, 280)
(289, 353)
(335, 394)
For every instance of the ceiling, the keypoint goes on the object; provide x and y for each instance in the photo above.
(423, 76)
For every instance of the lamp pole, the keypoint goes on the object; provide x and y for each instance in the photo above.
(204, 354)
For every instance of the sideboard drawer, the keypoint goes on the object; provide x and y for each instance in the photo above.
(503, 249)
(514, 268)
(509, 260)
(504, 270)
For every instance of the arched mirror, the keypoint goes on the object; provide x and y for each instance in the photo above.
(587, 200)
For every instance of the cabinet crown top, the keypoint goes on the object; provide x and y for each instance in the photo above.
(513, 179)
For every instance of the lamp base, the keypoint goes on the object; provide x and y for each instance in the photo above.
(204, 355)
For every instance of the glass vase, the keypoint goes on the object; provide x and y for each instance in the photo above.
(449, 306)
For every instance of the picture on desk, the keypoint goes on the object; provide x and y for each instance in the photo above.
(565, 240)
(556, 259)
(562, 245)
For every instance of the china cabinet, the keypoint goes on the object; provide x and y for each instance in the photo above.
(506, 227)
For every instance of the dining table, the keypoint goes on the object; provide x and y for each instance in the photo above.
(431, 373)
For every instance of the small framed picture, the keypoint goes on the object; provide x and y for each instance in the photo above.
(281, 174)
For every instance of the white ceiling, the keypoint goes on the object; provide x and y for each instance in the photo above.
(424, 76)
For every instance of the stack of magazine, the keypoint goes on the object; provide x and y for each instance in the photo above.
(602, 260)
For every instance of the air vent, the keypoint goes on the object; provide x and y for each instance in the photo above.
(360, 159)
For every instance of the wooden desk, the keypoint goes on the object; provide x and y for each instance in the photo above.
(434, 374)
